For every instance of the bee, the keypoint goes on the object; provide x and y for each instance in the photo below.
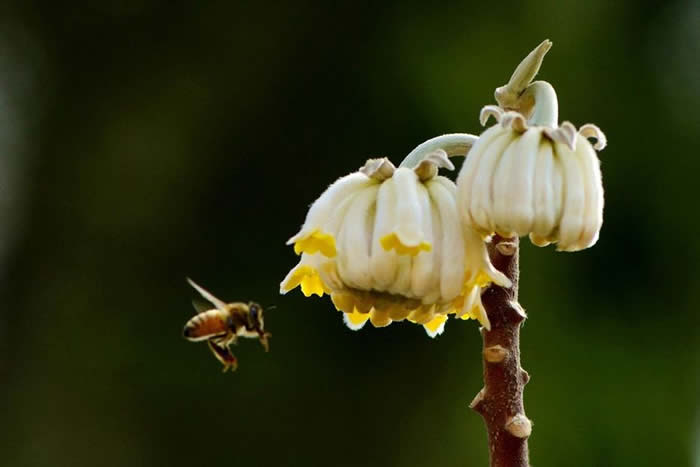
(222, 325)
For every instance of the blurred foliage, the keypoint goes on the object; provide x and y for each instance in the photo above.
(168, 139)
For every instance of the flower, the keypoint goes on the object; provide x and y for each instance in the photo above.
(386, 244)
(527, 175)
(533, 180)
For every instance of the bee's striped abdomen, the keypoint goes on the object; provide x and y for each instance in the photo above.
(206, 325)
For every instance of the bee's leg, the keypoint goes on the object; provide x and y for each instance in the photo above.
(228, 339)
(264, 340)
(224, 355)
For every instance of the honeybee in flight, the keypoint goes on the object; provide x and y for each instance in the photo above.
(222, 325)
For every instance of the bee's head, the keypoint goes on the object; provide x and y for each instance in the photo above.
(255, 316)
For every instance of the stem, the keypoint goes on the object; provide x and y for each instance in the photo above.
(454, 144)
(537, 101)
(545, 111)
(500, 402)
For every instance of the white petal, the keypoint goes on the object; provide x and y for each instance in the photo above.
(432, 294)
(326, 269)
(354, 238)
(504, 192)
(521, 204)
(558, 189)
(478, 262)
(402, 282)
(482, 195)
(452, 252)
(383, 264)
(593, 187)
(322, 209)
(545, 203)
(474, 307)
(423, 265)
(571, 226)
(465, 180)
(408, 209)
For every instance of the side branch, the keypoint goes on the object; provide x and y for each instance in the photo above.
(500, 402)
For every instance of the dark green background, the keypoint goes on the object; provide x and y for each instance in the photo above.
(146, 141)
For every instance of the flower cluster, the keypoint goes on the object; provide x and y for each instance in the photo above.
(391, 244)
(387, 244)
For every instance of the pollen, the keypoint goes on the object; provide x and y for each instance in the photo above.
(315, 242)
(392, 242)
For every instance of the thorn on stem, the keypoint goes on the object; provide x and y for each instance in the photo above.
(524, 376)
(518, 309)
(478, 399)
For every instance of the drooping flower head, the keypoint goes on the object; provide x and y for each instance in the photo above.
(386, 244)
(527, 175)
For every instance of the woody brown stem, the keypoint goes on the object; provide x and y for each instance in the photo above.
(500, 402)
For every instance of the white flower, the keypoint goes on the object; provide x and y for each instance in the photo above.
(386, 244)
(539, 181)
(533, 177)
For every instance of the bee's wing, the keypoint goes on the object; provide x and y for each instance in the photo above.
(200, 305)
(206, 294)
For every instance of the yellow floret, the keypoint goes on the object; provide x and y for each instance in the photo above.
(312, 285)
(391, 242)
(379, 318)
(434, 325)
(316, 241)
(422, 315)
(469, 315)
(482, 279)
(343, 302)
(356, 318)
(308, 278)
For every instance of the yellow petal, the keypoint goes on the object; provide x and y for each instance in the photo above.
(355, 320)
(482, 279)
(343, 302)
(436, 325)
(379, 318)
(392, 242)
(312, 285)
(422, 315)
(316, 241)
(397, 312)
(308, 278)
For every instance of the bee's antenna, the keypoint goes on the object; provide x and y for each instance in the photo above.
(271, 307)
